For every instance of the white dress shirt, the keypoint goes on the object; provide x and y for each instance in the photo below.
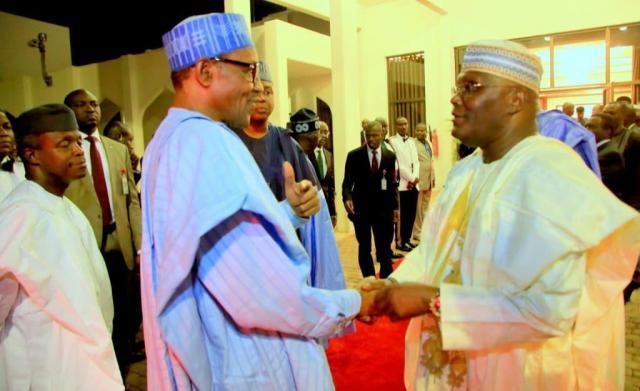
(378, 155)
(407, 157)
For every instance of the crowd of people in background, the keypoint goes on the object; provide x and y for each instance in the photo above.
(222, 241)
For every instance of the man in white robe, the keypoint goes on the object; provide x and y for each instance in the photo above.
(55, 299)
(524, 256)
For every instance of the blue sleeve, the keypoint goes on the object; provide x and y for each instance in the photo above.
(247, 271)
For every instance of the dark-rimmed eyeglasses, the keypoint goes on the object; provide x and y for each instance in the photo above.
(469, 88)
(251, 67)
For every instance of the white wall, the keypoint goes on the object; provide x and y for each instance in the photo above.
(134, 82)
(277, 43)
(303, 92)
(20, 59)
(400, 27)
(27, 91)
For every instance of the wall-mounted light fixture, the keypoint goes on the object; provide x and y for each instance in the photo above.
(39, 42)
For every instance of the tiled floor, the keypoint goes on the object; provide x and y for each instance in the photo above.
(136, 379)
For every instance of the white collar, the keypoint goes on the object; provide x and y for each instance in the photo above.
(371, 150)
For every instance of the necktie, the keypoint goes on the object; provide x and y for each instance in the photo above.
(428, 148)
(7, 165)
(374, 161)
(320, 163)
(99, 181)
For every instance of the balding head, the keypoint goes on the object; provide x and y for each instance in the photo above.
(597, 109)
(567, 108)
(323, 134)
(602, 126)
(402, 126)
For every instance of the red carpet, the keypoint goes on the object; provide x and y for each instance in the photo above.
(371, 359)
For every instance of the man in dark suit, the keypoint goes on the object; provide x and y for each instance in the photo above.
(610, 158)
(322, 160)
(369, 193)
(619, 158)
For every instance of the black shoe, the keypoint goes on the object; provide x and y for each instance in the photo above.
(405, 247)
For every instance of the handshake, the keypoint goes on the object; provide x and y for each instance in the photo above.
(396, 300)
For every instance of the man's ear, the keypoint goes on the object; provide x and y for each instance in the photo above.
(204, 72)
(30, 155)
(517, 99)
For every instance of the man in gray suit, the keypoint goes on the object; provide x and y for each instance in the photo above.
(109, 199)
(427, 178)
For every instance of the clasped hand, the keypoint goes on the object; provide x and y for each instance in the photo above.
(395, 300)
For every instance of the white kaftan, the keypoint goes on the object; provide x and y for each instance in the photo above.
(543, 261)
(55, 299)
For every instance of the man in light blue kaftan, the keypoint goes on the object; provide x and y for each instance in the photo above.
(226, 301)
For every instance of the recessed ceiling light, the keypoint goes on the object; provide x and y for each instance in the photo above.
(623, 28)
(547, 38)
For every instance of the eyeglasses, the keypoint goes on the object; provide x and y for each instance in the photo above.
(251, 67)
(469, 88)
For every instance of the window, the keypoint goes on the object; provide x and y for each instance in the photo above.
(586, 67)
(405, 75)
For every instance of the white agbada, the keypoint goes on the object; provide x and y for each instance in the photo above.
(8, 182)
(543, 262)
(55, 299)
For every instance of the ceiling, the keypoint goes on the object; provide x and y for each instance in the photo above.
(101, 34)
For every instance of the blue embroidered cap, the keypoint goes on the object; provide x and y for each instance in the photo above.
(506, 59)
(205, 36)
(265, 75)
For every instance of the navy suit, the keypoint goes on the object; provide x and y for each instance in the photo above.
(373, 205)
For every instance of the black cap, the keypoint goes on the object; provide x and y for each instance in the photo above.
(304, 121)
(54, 117)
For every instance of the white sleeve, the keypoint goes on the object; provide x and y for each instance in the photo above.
(490, 317)
(415, 162)
(9, 288)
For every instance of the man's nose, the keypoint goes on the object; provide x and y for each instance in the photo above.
(258, 87)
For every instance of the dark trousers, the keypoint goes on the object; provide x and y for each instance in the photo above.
(120, 278)
(408, 204)
(382, 227)
(629, 290)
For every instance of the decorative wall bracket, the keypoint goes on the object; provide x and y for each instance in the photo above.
(39, 43)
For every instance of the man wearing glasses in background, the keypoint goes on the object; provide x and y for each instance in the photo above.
(224, 277)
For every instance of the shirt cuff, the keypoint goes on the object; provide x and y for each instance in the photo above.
(295, 220)
(348, 302)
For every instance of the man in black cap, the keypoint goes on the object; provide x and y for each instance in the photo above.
(55, 298)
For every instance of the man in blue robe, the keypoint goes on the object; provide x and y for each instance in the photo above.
(556, 124)
(225, 293)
